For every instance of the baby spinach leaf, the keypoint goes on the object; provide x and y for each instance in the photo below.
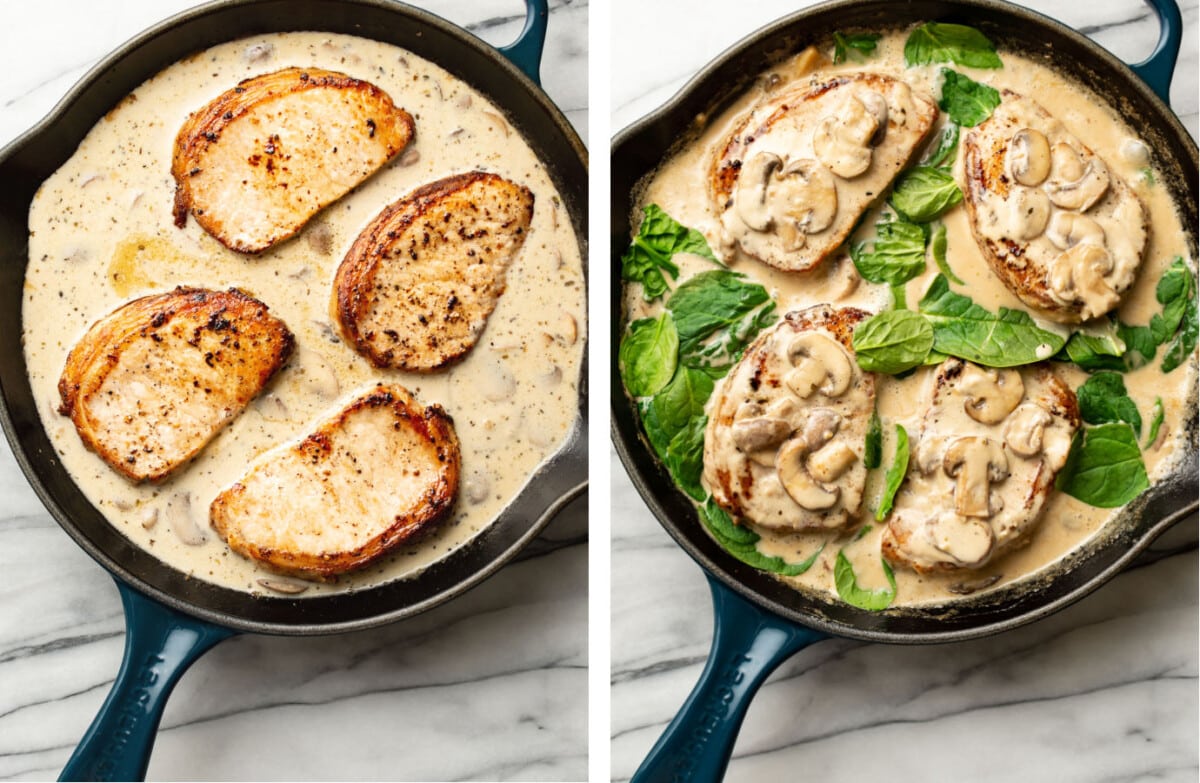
(658, 437)
(947, 147)
(1099, 348)
(964, 329)
(897, 254)
(934, 42)
(740, 541)
(892, 341)
(1140, 344)
(924, 193)
(1103, 399)
(966, 101)
(937, 244)
(1156, 422)
(1174, 290)
(864, 43)
(658, 239)
(873, 450)
(648, 355)
(895, 475)
(682, 399)
(685, 457)
(711, 301)
(847, 586)
(1179, 350)
(1104, 467)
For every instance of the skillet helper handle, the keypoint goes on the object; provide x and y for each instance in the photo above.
(1157, 69)
(526, 51)
(160, 645)
(748, 644)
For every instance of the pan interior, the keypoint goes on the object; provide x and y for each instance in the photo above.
(27, 162)
(640, 149)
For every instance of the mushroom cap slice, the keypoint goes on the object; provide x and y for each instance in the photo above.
(977, 463)
(821, 364)
(1029, 157)
(1024, 429)
(991, 394)
(1074, 184)
(798, 482)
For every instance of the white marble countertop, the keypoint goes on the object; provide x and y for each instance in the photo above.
(1103, 691)
(491, 686)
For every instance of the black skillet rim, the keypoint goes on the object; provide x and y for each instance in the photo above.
(26, 161)
(705, 95)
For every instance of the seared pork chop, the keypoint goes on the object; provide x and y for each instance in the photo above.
(784, 444)
(416, 288)
(792, 181)
(990, 445)
(262, 158)
(1057, 226)
(377, 473)
(155, 380)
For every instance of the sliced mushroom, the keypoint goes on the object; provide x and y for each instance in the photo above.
(1023, 433)
(149, 517)
(876, 105)
(967, 587)
(796, 480)
(1068, 229)
(179, 515)
(819, 428)
(1028, 213)
(1078, 275)
(820, 363)
(809, 195)
(991, 394)
(283, 586)
(750, 200)
(1074, 184)
(976, 462)
(842, 141)
(967, 541)
(1029, 157)
(751, 435)
(831, 462)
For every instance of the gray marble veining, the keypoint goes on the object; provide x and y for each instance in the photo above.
(492, 686)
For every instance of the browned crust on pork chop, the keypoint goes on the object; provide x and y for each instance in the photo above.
(376, 474)
(416, 288)
(155, 380)
(256, 163)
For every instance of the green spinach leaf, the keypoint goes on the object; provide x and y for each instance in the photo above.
(1103, 399)
(934, 42)
(682, 399)
(873, 449)
(1104, 467)
(659, 438)
(964, 329)
(937, 245)
(947, 148)
(740, 541)
(1156, 422)
(648, 355)
(897, 254)
(711, 301)
(1140, 344)
(864, 43)
(892, 341)
(847, 586)
(895, 475)
(685, 457)
(1098, 348)
(966, 101)
(658, 239)
(924, 193)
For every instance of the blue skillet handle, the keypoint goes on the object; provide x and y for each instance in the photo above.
(160, 645)
(526, 51)
(1157, 69)
(748, 644)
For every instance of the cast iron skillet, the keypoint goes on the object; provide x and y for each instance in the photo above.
(172, 619)
(759, 622)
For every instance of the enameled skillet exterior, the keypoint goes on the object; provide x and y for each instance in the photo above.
(640, 148)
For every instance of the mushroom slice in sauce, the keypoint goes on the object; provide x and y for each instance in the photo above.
(784, 443)
(974, 496)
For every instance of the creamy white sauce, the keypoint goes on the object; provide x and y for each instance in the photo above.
(101, 233)
(681, 187)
